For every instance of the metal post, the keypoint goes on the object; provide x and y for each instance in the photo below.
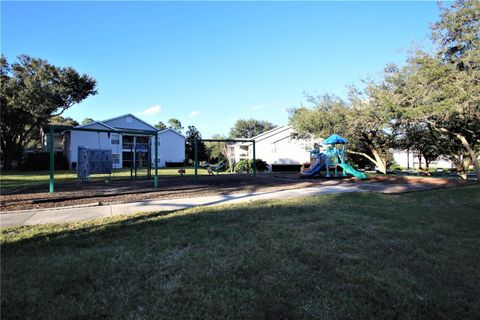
(131, 163)
(254, 161)
(408, 159)
(196, 160)
(135, 156)
(156, 161)
(52, 159)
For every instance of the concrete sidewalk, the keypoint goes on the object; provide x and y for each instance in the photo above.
(73, 214)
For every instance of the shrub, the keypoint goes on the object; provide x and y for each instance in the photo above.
(394, 166)
(41, 161)
(246, 166)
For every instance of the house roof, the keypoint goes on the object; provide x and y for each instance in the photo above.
(268, 134)
(169, 129)
(96, 122)
(133, 116)
(271, 132)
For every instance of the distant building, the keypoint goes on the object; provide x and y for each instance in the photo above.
(411, 159)
(128, 150)
(276, 146)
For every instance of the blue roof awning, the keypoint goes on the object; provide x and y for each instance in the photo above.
(335, 138)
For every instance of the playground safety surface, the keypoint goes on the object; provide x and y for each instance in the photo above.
(122, 191)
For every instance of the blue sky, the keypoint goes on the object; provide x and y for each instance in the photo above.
(210, 63)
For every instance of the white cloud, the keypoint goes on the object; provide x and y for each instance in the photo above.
(150, 111)
(194, 114)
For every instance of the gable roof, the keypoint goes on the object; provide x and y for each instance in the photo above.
(96, 122)
(270, 132)
(169, 129)
(135, 117)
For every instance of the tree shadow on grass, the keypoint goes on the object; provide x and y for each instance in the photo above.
(98, 228)
(340, 253)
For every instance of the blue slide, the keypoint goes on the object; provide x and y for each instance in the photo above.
(314, 170)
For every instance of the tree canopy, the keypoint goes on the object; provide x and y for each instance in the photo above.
(361, 121)
(441, 89)
(249, 128)
(32, 92)
(216, 151)
(431, 104)
(87, 121)
(160, 125)
(193, 134)
(175, 124)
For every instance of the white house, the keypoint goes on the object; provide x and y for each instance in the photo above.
(128, 150)
(411, 159)
(276, 146)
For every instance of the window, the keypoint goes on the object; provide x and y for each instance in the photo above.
(115, 158)
(115, 138)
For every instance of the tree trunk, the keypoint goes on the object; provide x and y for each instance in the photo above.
(381, 163)
(461, 163)
(10, 154)
(473, 157)
(470, 151)
(378, 161)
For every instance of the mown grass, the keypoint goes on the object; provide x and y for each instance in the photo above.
(349, 256)
(15, 179)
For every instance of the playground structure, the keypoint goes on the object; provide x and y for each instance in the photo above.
(332, 158)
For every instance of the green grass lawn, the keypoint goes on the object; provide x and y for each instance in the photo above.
(344, 256)
(14, 179)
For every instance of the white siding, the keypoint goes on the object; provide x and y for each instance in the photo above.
(171, 148)
(278, 147)
(171, 144)
(92, 140)
(410, 160)
(288, 151)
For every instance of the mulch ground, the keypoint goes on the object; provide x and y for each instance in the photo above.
(94, 193)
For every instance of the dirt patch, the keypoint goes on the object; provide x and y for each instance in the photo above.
(73, 193)
(412, 180)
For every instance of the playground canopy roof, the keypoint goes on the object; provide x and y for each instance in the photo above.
(335, 139)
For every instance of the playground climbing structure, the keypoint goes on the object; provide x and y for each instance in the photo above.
(332, 158)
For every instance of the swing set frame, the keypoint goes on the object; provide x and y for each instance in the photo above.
(52, 129)
(197, 141)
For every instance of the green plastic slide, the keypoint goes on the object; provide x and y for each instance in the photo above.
(349, 169)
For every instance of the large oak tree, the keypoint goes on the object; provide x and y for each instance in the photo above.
(249, 128)
(32, 92)
(441, 89)
(363, 120)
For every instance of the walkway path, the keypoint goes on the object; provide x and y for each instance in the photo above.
(73, 214)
